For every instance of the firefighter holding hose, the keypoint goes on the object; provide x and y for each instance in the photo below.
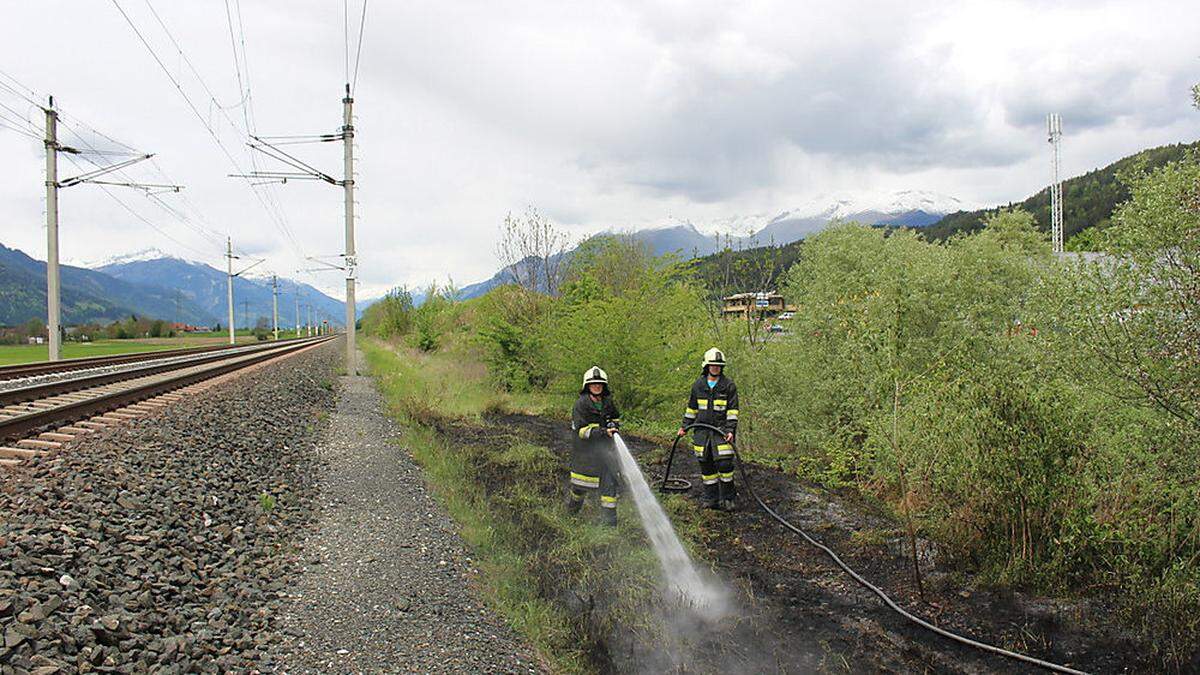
(594, 464)
(714, 401)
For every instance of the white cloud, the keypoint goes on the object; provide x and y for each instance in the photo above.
(600, 114)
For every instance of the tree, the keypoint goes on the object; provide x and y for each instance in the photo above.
(752, 269)
(1150, 326)
(262, 328)
(35, 327)
(532, 251)
(391, 315)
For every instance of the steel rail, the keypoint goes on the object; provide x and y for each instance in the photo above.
(34, 392)
(73, 411)
(66, 365)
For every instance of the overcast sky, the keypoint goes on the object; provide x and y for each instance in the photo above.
(603, 115)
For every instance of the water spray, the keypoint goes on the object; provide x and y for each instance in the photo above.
(684, 581)
(669, 484)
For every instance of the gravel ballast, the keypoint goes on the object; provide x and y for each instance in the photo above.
(165, 543)
(388, 582)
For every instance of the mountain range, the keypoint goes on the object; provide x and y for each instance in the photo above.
(153, 284)
(907, 208)
(150, 284)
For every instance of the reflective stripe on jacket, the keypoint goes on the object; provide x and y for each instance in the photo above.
(590, 443)
(717, 406)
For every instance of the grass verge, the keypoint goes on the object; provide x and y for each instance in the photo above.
(581, 593)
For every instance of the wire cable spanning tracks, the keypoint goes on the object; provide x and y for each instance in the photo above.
(33, 408)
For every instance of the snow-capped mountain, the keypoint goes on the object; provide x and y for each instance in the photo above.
(143, 255)
(845, 205)
(689, 238)
(912, 208)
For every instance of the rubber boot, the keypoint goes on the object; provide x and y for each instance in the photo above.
(711, 499)
(574, 503)
(728, 496)
(608, 517)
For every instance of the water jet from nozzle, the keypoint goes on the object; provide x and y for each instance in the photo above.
(684, 582)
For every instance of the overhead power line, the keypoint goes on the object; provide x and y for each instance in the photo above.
(83, 148)
(277, 218)
(358, 51)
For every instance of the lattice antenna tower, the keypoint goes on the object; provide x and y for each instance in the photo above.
(1054, 135)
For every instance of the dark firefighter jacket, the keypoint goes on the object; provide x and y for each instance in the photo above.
(717, 406)
(589, 456)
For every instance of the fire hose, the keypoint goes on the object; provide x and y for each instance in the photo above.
(667, 486)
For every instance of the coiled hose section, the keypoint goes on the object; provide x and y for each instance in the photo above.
(891, 604)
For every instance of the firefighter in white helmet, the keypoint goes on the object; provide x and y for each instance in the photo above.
(714, 401)
(594, 465)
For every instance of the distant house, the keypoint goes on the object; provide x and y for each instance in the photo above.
(754, 305)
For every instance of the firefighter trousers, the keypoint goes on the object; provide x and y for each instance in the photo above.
(594, 469)
(716, 468)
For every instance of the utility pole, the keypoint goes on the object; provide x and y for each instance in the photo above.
(299, 170)
(229, 285)
(1054, 134)
(351, 260)
(308, 323)
(53, 285)
(52, 282)
(230, 274)
(275, 305)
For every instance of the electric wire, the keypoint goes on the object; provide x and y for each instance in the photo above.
(16, 92)
(17, 129)
(887, 600)
(269, 203)
(282, 225)
(152, 196)
(248, 116)
(67, 122)
(24, 119)
(358, 50)
(139, 216)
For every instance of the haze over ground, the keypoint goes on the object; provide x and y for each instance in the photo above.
(613, 115)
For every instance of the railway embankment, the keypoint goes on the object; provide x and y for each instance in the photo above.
(166, 542)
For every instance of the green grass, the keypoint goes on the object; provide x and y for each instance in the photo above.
(12, 354)
(451, 381)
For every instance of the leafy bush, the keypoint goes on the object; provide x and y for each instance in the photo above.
(391, 316)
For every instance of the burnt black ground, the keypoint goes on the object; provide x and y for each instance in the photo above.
(800, 613)
(388, 584)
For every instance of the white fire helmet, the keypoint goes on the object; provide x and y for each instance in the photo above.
(595, 375)
(714, 357)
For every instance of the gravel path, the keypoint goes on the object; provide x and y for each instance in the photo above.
(165, 544)
(388, 581)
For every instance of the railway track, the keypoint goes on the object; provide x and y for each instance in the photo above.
(29, 370)
(55, 412)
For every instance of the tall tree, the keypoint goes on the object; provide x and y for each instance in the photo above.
(532, 251)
